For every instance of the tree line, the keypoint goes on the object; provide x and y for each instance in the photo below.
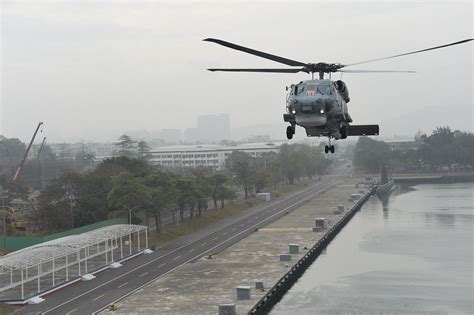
(443, 149)
(125, 185)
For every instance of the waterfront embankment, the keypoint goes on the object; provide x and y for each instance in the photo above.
(200, 286)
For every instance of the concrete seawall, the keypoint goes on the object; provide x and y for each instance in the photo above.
(200, 286)
(285, 283)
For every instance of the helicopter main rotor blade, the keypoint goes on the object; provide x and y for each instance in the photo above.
(375, 71)
(261, 54)
(258, 70)
(413, 52)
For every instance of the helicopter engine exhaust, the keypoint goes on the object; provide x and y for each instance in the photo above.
(342, 87)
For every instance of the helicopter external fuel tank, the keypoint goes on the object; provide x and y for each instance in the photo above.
(341, 86)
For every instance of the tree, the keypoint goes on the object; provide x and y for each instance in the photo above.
(240, 165)
(143, 150)
(217, 183)
(203, 188)
(128, 194)
(126, 146)
(116, 165)
(370, 154)
(163, 195)
(291, 162)
(56, 205)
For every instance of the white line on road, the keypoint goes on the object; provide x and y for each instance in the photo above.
(100, 296)
(204, 244)
(225, 241)
(70, 312)
(321, 187)
(191, 250)
(225, 233)
(163, 264)
(123, 284)
(215, 238)
(144, 274)
(177, 257)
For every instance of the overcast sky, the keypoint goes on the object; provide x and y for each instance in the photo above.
(93, 69)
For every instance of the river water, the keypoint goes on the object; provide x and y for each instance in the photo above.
(416, 256)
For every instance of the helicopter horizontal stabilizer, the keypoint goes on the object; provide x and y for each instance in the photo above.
(362, 130)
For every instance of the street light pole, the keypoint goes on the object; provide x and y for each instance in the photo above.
(130, 214)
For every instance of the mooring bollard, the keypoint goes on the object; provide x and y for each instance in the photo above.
(259, 285)
(243, 292)
(285, 257)
(227, 309)
(294, 248)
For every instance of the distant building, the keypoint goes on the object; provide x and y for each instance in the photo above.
(171, 135)
(404, 145)
(209, 156)
(213, 128)
(191, 135)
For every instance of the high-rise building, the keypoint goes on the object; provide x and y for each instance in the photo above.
(171, 135)
(212, 128)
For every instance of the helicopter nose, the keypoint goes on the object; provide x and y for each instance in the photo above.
(313, 104)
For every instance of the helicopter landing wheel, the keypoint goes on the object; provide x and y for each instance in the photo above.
(343, 131)
(329, 148)
(290, 131)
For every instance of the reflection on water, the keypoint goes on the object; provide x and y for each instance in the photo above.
(415, 256)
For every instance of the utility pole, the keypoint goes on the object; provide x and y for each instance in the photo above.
(40, 171)
(4, 211)
(71, 205)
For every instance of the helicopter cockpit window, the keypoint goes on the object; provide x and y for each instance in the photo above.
(299, 89)
(324, 89)
(311, 89)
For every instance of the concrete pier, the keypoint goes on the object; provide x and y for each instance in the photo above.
(255, 258)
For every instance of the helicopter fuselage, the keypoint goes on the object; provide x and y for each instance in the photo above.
(319, 106)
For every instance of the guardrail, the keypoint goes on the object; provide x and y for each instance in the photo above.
(275, 294)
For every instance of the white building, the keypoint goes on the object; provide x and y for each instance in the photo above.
(209, 156)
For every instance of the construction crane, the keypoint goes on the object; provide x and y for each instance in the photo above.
(18, 170)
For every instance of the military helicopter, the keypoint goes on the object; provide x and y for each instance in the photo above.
(319, 106)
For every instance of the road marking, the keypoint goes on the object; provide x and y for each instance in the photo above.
(215, 238)
(249, 221)
(203, 244)
(163, 264)
(225, 233)
(225, 241)
(176, 258)
(191, 250)
(100, 296)
(144, 274)
(312, 190)
(242, 224)
(70, 312)
(122, 284)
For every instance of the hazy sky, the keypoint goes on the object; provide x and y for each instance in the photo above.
(92, 69)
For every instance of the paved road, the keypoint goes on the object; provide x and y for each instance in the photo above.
(115, 284)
